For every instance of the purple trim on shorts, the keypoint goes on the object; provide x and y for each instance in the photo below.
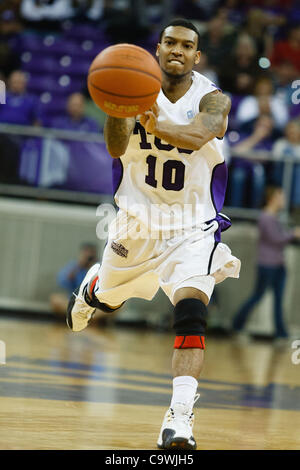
(217, 190)
(224, 224)
(117, 173)
(218, 185)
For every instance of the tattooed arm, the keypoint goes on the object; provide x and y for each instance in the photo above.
(210, 122)
(215, 107)
(116, 134)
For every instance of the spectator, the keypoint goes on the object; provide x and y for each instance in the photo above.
(256, 27)
(20, 108)
(72, 274)
(243, 171)
(262, 102)
(289, 147)
(288, 48)
(240, 70)
(59, 163)
(217, 41)
(75, 119)
(205, 69)
(271, 271)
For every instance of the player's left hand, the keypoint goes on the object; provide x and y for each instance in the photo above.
(149, 119)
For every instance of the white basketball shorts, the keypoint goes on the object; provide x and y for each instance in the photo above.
(138, 267)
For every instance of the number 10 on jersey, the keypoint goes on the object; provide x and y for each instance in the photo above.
(172, 176)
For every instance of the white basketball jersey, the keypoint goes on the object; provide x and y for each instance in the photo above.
(168, 188)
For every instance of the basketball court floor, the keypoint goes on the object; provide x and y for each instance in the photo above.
(109, 389)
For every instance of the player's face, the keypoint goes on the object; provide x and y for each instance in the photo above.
(177, 51)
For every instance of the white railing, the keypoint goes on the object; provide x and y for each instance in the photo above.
(37, 131)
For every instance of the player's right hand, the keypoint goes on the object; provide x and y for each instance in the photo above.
(149, 119)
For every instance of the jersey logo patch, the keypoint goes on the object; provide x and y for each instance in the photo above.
(119, 249)
(190, 114)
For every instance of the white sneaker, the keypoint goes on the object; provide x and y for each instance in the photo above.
(79, 313)
(177, 428)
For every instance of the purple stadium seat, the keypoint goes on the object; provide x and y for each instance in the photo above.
(52, 104)
(49, 65)
(39, 83)
(73, 65)
(84, 31)
(67, 85)
(37, 63)
(62, 85)
(48, 44)
(30, 42)
(90, 49)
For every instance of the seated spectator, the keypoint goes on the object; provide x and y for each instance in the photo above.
(20, 108)
(289, 147)
(205, 69)
(248, 177)
(59, 163)
(288, 48)
(74, 119)
(217, 41)
(262, 102)
(71, 276)
(256, 27)
(240, 70)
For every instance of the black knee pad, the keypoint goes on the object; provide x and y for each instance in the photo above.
(190, 323)
(189, 317)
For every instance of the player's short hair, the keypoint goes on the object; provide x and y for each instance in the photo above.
(185, 24)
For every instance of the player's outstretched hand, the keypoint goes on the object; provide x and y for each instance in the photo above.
(149, 119)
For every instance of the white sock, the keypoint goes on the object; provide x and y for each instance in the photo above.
(184, 390)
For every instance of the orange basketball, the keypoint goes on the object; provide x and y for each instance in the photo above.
(124, 80)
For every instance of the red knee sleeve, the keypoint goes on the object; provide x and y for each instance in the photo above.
(184, 342)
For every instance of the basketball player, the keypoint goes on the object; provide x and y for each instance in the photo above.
(170, 179)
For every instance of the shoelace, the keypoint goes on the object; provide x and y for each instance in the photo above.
(188, 417)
